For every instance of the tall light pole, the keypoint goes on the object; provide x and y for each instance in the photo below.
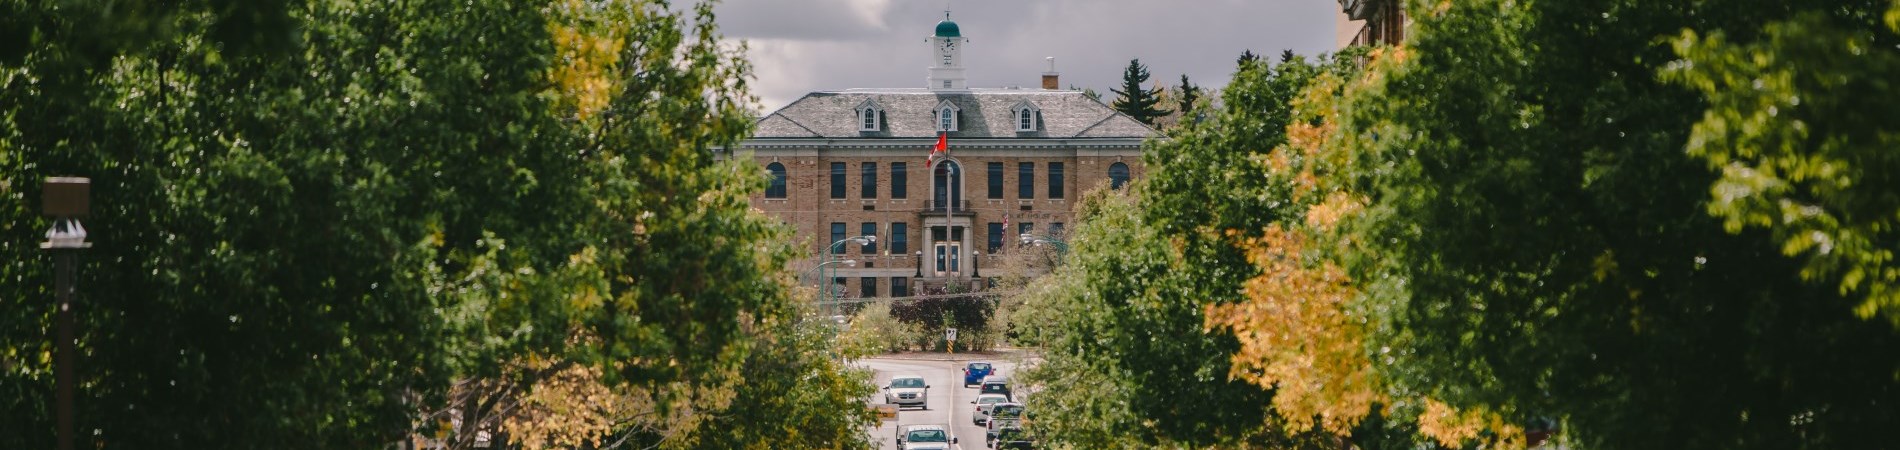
(66, 200)
(826, 282)
(1062, 248)
(831, 252)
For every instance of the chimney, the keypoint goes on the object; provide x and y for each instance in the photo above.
(1049, 78)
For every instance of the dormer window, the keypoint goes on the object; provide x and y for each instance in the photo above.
(870, 116)
(947, 116)
(1028, 116)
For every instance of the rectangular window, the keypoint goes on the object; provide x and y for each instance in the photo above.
(1025, 227)
(996, 180)
(837, 234)
(898, 180)
(837, 288)
(1055, 180)
(837, 180)
(1055, 230)
(867, 287)
(1026, 180)
(869, 229)
(996, 236)
(900, 238)
(900, 287)
(869, 176)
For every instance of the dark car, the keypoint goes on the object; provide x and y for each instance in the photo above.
(1012, 438)
(974, 373)
(995, 385)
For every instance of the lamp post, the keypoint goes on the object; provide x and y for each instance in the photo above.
(976, 269)
(826, 281)
(66, 200)
(831, 251)
(1062, 248)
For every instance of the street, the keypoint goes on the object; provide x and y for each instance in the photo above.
(949, 400)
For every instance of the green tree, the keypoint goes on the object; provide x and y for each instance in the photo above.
(307, 246)
(1537, 244)
(1189, 95)
(1134, 100)
(1797, 127)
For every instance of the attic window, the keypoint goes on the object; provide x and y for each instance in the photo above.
(947, 116)
(1028, 116)
(869, 115)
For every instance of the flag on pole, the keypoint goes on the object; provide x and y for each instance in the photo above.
(943, 146)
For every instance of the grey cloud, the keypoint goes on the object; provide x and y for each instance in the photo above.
(1092, 40)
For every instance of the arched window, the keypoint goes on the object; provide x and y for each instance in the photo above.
(1026, 116)
(947, 116)
(1117, 175)
(777, 188)
(945, 119)
(947, 185)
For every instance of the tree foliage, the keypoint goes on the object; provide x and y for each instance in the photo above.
(1797, 126)
(1134, 100)
(1536, 243)
(385, 211)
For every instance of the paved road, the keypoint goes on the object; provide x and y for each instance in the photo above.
(949, 400)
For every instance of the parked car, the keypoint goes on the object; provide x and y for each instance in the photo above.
(907, 390)
(974, 373)
(983, 403)
(1012, 438)
(995, 385)
(1002, 415)
(925, 437)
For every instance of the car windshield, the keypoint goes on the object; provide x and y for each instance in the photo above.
(907, 383)
(988, 400)
(979, 366)
(926, 436)
(1008, 411)
(1009, 433)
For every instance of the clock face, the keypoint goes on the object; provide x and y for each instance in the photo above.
(949, 46)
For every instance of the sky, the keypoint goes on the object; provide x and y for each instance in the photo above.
(800, 46)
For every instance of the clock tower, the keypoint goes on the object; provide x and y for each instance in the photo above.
(946, 57)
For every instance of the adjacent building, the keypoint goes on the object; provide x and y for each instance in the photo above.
(1371, 22)
(856, 162)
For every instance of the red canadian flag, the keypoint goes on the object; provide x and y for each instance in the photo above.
(943, 147)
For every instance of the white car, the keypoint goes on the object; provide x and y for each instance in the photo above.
(1002, 415)
(983, 403)
(925, 437)
(907, 390)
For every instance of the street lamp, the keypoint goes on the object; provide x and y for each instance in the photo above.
(976, 270)
(66, 199)
(831, 251)
(1062, 248)
(920, 264)
(825, 281)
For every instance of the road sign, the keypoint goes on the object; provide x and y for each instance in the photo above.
(950, 334)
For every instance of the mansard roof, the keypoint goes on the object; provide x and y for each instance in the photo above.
(983, 113)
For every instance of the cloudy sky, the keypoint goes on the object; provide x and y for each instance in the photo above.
(799, 46)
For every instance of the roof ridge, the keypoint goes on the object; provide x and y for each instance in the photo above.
(801, 126)
(1085, 130)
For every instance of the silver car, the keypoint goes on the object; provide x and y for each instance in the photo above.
(907, 390)
(983, 403)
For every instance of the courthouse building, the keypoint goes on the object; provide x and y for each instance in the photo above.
(854, 162)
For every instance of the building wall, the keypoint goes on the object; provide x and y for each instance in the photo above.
(810, 210)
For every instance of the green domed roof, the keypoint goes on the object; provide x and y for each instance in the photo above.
(946, 28)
